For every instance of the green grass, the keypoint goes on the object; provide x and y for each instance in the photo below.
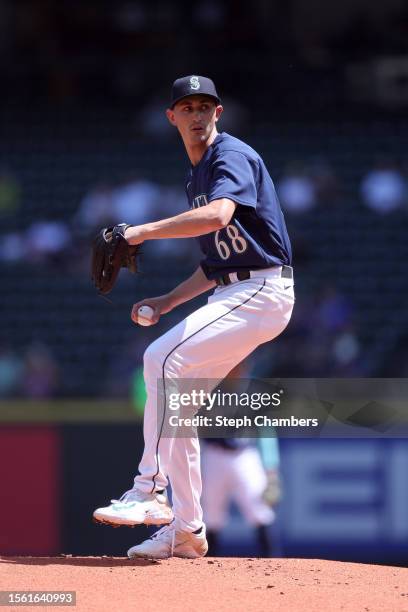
(68, 411)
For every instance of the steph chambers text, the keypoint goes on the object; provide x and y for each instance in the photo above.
(238, 422)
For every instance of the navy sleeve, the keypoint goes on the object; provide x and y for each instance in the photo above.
(233, 177)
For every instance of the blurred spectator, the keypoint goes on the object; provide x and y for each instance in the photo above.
(10, 192)
(333, 311)
(237, 116)
(41, 373)
(320, 341)
(324, 322)
(13, 247)
(296, 190)
(135, 202)
(383, 189)
(46, 240)
(11, 370)
(152, 118)
(333, 348)
(346, 347)
(172, 201)
(96, 208)
(346, 355)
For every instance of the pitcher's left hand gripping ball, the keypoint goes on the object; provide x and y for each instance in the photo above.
(110, 252)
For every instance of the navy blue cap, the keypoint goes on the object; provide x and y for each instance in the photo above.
(191, 86)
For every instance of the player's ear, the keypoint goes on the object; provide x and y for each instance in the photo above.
(170, 116)
(218, 111)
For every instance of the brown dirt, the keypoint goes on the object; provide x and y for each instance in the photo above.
(107, 584)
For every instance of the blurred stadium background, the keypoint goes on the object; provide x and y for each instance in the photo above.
(321, 91)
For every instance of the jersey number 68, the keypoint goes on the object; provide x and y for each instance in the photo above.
(238, 243)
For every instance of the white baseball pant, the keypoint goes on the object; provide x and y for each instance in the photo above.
(207, 344)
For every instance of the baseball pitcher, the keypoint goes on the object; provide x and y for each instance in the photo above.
(235, 214)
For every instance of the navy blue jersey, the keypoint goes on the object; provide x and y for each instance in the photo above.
(256, 236)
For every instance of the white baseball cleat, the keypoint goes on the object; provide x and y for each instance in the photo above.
(167, 542)
(136, 507)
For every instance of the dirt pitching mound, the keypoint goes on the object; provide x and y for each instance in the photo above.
(111, 583)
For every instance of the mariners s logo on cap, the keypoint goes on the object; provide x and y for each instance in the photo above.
(194, 83)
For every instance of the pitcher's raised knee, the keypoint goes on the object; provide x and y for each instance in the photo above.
(163, 359)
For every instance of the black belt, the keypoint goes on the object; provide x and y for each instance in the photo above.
(227, 279)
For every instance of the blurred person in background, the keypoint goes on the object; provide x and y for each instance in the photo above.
(333, 310)
(47, 241)
(244, 471)
(151, 121)
(296, 189)
(136, 200)
(346, 354)
(41, 373)
(332, 347)
(13, 247)
(384, 188)
(96, 208)
(11, 372)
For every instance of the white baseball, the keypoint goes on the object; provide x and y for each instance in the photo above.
(144, 315)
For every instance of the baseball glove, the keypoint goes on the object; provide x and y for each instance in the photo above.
(110, 252)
